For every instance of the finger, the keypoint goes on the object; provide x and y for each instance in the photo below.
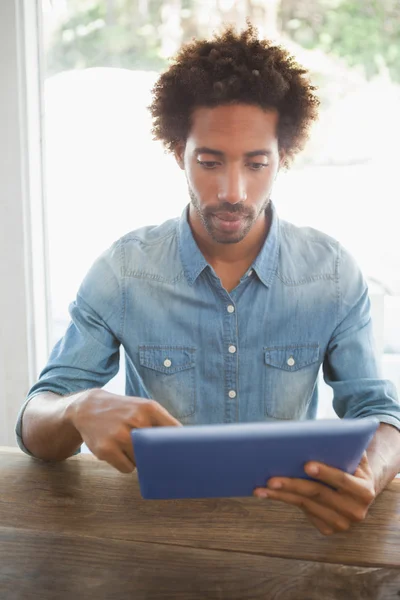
(159, 416)
(352, 484)
(319, 524)
(364, 469)
(117, 459)
(334, 520)
(120, 462)
(129, 451)
(343, 504)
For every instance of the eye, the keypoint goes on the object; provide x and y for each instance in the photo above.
(257, 166)
(208, 164)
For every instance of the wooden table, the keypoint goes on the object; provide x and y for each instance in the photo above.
(80, 530)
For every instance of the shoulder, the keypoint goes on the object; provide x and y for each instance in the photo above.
(307, 254)
(307, 237)
(149, 252)
(151, 235)
(146, 253)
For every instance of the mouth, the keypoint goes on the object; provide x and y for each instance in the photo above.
(228, 222)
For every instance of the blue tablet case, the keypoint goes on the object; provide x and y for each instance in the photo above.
(215, 461)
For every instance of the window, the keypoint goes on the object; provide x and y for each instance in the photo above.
(105, 176)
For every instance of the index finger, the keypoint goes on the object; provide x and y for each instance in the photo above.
(160, 417)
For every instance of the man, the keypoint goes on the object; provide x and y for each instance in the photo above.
(227, 313)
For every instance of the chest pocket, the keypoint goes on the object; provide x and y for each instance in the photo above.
(290, 377)
(168, 373)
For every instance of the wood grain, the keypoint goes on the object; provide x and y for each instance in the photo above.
(86, 497)
(49, 566)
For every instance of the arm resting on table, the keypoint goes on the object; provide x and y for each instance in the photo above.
(384, 456)
(47, 429)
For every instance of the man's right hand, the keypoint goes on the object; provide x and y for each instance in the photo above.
(105, 420)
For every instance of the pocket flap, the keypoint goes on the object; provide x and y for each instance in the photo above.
(167, 359)
(292, 357)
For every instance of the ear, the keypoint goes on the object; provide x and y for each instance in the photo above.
(282, 159)
(179, 153)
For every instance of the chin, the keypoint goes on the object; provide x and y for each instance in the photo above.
(232, 240)
(222, 238)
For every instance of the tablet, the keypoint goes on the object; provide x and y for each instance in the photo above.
(219, 461)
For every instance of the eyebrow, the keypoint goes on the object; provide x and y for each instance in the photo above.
(205, 150)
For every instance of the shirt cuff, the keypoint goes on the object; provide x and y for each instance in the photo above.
(388, 420)
(18, 426)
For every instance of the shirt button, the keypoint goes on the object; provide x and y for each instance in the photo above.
(167, 362)
(230, 308)
(232, 349)
(291, 361)
(250, 273)
(232, 394)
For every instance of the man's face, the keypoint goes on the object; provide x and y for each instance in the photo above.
(231, 159)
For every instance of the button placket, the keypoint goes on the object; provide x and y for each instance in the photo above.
(231, 362)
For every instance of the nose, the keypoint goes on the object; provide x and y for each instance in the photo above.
(232, 186)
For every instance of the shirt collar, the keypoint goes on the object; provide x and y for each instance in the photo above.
(266, 262)
(194, 262)
(192, 259)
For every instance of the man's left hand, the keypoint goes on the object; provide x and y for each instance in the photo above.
(329, 510)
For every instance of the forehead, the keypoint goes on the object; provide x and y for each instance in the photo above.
(238, 126)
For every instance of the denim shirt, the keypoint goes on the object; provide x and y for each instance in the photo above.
(212, 356)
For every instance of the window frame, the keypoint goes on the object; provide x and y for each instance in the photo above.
(24, 299)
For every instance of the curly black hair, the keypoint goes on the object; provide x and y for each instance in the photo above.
(234, 68)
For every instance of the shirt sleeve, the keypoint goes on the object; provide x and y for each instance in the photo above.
(88, 354)
(351, 366)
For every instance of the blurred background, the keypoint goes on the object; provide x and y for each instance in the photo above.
(104, 176)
